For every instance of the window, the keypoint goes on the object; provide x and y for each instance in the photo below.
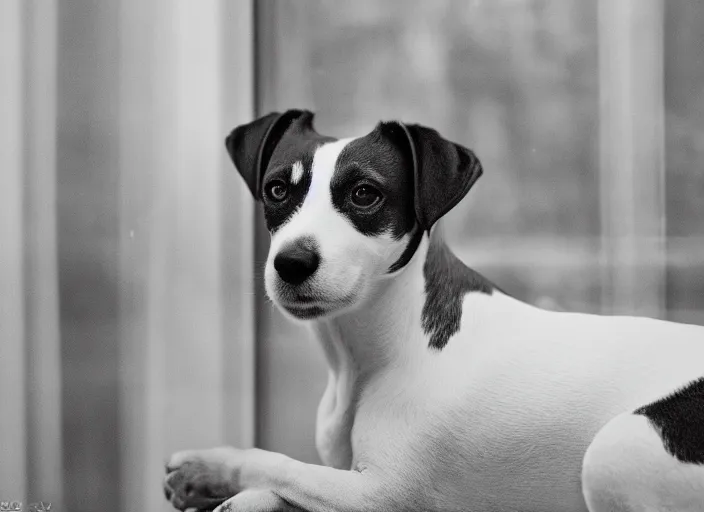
(684, 150)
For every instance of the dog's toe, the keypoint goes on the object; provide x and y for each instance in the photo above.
(167, 492)
(178, 459)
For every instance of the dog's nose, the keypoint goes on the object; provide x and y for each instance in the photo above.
(297, 262)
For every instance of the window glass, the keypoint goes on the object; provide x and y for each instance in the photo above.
(684, 177)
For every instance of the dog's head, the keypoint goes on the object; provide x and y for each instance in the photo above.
(345, 214)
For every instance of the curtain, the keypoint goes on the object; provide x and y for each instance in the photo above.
(30, 380)
(126, 270)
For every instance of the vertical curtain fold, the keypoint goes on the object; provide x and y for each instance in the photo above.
(126, 245)
(632, 148)
(13, 439)
(43, 364)
(30, 378)
(186, 235)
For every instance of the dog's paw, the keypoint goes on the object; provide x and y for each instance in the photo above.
(202, 479)
(256, 501)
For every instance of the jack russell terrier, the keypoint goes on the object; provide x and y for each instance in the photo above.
(444, 393)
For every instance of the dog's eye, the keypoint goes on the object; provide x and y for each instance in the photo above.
(277, 190)
(365, 196)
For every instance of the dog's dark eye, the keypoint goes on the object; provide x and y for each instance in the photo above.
(277, 190)
(365, 196)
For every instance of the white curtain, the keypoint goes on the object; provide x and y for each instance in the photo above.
(30, 374)
(126, 261)
(186, 228)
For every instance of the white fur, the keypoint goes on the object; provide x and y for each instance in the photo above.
(296, 172)
(524, 409)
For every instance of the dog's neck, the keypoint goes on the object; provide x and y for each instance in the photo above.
(387, 327)
(401, 324)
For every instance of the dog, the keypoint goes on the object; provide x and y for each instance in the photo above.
(444, 392)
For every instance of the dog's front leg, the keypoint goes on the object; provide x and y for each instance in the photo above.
(308, 487)
(258, 500)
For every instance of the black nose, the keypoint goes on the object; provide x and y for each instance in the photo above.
(297, 262)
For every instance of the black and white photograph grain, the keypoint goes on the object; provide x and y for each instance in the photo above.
(351, 256)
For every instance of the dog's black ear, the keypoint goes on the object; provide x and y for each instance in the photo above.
(443, 173)
(251, 145)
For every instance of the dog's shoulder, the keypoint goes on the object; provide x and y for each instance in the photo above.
(447, 282)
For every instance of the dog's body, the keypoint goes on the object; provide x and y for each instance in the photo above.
(444, 393)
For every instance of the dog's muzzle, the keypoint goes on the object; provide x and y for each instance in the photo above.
(297, 261)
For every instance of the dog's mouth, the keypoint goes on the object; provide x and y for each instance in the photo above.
(312, 300)
(300, 299)
(305, 306)
(304, 312)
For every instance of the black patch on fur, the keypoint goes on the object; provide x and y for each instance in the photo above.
(277, 213)
(376, 160)
(444, 171)
(447, 281)
(679, 420)
(298, 144)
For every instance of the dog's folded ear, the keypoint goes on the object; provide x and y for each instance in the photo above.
(443, 172)
(251, 145)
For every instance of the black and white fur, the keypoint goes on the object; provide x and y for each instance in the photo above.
(444, 393)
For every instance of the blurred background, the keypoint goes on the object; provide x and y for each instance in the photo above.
(132, 316)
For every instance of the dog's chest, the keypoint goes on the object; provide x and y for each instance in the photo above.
(334, 426)
(480, 443)
(496, 420)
